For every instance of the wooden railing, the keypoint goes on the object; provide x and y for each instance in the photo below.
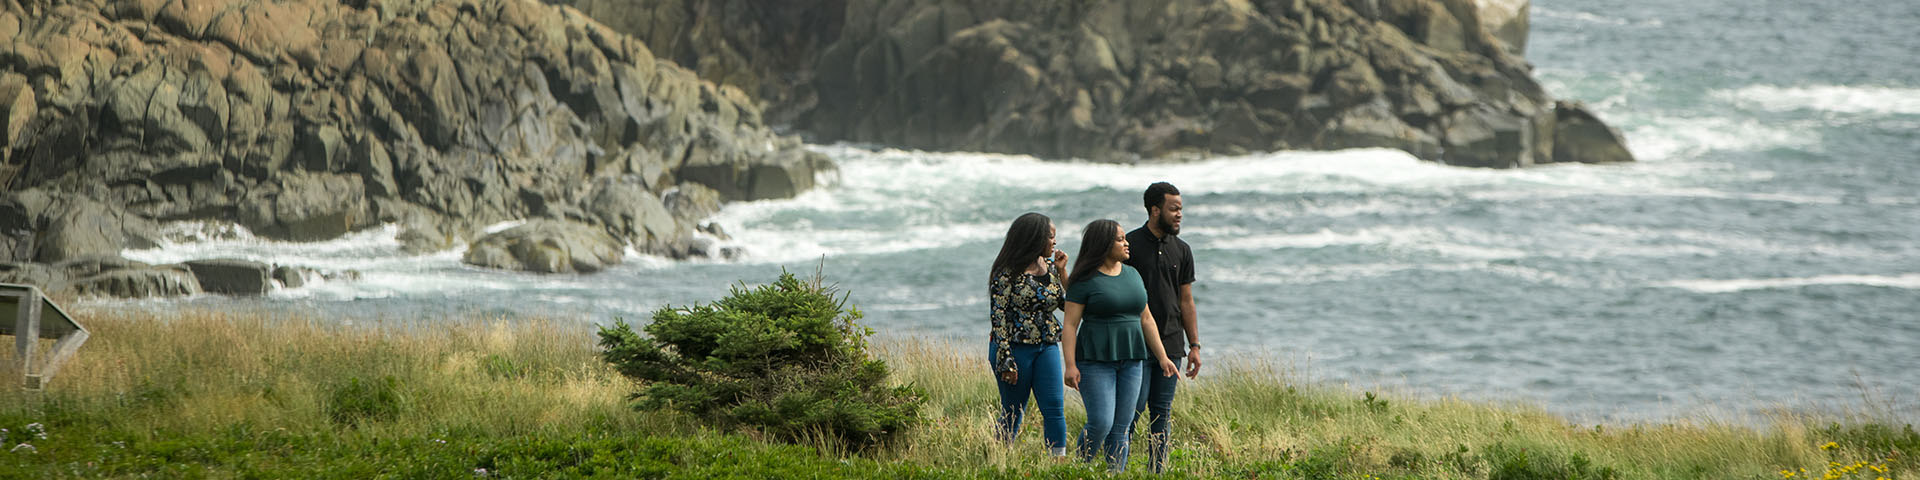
(27, 315)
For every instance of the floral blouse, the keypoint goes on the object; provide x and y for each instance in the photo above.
(1023, 308)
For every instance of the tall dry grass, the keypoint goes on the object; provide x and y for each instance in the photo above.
(195, 371)
(204, 372)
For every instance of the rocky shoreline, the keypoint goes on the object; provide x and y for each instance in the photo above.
(1130, 80)
(303, 120)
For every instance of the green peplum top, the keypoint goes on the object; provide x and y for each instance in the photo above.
(1110, 324)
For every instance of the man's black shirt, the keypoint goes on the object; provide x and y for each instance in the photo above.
(1164, 267)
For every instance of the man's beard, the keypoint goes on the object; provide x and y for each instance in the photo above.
(1168, 227)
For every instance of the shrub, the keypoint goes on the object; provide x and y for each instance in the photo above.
(786, 358)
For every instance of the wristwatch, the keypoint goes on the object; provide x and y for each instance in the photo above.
(1193, 345)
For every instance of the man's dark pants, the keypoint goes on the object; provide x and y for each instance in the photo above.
(1156, 399)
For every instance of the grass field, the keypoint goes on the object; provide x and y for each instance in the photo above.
(219, 395)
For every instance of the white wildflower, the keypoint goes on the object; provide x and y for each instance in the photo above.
(24, 448)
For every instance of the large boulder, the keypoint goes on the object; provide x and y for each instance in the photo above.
(547, 246)
(307, 207)
(233, 276)
(1581, 137)
(631, 212)
(779, 176)
(107, 276)
(146, 282)
(81, 227)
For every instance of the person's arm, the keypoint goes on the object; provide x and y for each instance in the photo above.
(1070, 335)
(1059, 272)
(1153, 343)
(998, 291)
(1192, 323)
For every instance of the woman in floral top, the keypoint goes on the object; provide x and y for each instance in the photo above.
(1026, 286)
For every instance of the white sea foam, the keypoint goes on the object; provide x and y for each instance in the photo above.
(1308, 274)
(1826, 98)
(1614, 240)
(1450, 242)
(1665, 138)
(1594, 18)
(1907, 281)
(354, 251)
(773, 245)
(914, 195)
(929, 172)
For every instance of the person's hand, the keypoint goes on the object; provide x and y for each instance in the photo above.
(1193, 362)
(1059, 257)
(1073, 377)
(1010, 376)
(1167, 369)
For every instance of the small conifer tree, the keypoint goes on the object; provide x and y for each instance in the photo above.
(787, 358)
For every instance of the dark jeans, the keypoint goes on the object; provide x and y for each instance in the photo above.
(1108, 389)
(1042, 375)
(1156, 399)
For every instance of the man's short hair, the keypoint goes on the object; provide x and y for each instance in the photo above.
(1157, 194)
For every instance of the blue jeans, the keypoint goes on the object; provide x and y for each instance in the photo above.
(1110, 390)
(1042, 375)
(1156, 398)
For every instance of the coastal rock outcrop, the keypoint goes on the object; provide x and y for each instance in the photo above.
(547, 246)
(1129, 79)
(303, 120)
(232, 276)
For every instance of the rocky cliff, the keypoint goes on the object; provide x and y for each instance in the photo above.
(306, 119)
(1131, 79)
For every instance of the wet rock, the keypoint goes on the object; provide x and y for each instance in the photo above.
(1580, 137)
(1483, 138)
(232, 276)
(147, 282)
(293, 277)
(547, 246)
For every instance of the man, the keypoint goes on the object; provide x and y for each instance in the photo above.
(1165, 263)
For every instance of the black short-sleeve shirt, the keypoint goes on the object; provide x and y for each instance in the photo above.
(1164, 266)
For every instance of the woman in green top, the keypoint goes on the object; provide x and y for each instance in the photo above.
(1112, 336)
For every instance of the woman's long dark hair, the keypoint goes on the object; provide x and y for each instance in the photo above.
(1095, 243)
(1026, 241)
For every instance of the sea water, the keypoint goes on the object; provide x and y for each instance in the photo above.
(1761, 255)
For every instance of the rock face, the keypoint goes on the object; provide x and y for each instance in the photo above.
(104, 276)
(547, 246)
(233, 276)
(1126, 79)
(306, 119)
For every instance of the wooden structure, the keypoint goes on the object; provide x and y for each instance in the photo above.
(29, 316)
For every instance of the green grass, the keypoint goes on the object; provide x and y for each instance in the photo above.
(223, 395)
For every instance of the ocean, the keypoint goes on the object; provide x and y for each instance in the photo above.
(1760, 257)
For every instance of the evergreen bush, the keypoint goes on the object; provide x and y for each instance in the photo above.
(787, 358)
